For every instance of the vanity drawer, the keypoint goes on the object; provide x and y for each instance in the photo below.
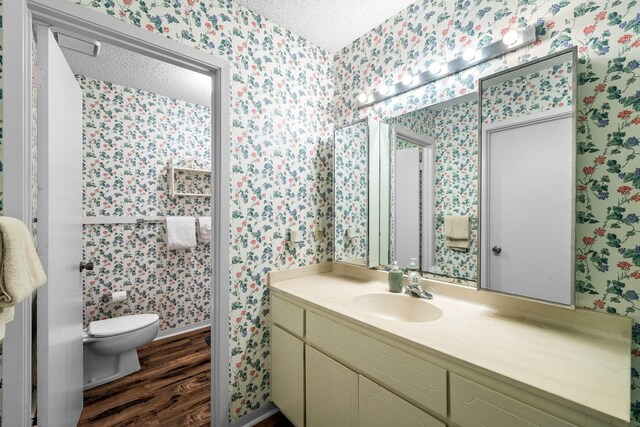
(379, 407)
(287, 315)
(475, 405)
(414, 379)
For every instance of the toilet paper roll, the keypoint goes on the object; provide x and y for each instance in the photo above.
(118, 296)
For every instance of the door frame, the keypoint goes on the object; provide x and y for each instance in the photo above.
(428, 173)
(16, 406)
(485, 200)
(19, 18)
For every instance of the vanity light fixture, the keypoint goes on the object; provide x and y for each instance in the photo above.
(383, 89)
(510, 37)
(407, 79)
(436, 70)
(469, 54)
(435, 67)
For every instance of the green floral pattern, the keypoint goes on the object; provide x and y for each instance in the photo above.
(351, 192)
(531, 93)
(129, 136)
(282, 110)
(607, 34)
(281, 162)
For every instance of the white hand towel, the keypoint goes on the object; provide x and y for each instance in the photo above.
(20, 270)
(204, 229)
(181, 232)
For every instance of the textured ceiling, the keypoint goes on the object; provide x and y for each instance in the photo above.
(329, 24)
(120, 66)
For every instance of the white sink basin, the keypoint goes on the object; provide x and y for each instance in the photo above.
(398, 307)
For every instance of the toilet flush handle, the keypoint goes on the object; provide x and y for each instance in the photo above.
(86, 266)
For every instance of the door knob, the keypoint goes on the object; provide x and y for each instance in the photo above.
(496, 250)
(86, 266)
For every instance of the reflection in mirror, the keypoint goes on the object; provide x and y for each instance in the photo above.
(434, 189)
(350, 207)
(528, 158)
(361, 198)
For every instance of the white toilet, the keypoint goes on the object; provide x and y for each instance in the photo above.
(110, 347)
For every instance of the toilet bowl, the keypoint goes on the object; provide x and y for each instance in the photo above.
(110, 346)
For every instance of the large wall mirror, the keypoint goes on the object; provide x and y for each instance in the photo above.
(434, 182)
(360, 192)
(478, 189)
(528, 151)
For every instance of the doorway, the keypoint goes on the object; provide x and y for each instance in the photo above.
(414, 198)
(91, 24)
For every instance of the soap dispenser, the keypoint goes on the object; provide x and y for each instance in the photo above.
(395, 278)
(414, 273)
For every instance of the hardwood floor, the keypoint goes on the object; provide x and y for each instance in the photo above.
(172, 389)
(277, 420)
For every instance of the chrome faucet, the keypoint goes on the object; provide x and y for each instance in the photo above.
(417, 291)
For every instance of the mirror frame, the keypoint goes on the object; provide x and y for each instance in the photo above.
(481, 196)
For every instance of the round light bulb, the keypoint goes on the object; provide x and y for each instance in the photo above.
(383, 89)
(469, 54)
(435, 68)
(407, 79)
(362, 98)
(510, 37)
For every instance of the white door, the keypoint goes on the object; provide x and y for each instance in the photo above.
(528, 193)
(407, 205)
(59, 327)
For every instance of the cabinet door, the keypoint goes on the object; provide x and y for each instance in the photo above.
(332, 392)
(474, 405)
(381, 408)
(287, 374)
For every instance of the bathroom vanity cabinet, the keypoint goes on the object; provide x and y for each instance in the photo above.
(331, 370)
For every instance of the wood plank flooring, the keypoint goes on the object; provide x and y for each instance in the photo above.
(171, 390)
(277, 420)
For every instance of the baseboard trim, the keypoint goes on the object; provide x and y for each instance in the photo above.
(256, 416)
(183, 330)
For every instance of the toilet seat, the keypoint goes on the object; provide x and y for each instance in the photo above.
(121, 325)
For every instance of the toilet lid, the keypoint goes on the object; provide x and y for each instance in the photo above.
(121, 325)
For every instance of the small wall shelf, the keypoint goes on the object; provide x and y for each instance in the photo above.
(173, 169)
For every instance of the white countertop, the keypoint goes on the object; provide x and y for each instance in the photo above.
(590, 370)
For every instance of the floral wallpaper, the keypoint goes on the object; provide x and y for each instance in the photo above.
(281, 161)
(456, 135)
(351, 192)
(129, 136)
(607, 34)
(541, 90)
(418, 121)
(282, 114)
